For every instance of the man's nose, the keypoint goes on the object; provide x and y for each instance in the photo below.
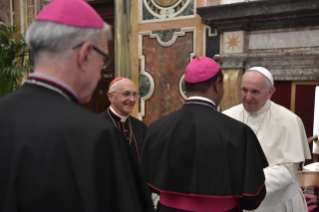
(132, 97)
(248, 96)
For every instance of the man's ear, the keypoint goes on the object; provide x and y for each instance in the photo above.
(217, 85)
(110, 95)
(271, 92)
(83, 55)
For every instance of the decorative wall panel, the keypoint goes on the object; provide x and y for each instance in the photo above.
(309, 38)
(163, 56)
(42, 4)
(211, 42)
(5, 15)
(166, 10)
(233, 42)
(31, 13)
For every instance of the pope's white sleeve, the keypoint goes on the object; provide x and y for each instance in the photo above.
(278, 179)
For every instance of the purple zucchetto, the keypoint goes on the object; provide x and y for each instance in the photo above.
(76, 13)
(201, 69)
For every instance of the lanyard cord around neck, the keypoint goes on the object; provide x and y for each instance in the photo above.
(50, 87)
(131, 132)
(260, 122)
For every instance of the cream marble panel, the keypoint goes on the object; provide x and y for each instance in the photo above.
(284, 40)
(233, 42)
(231, 1)
(212, 2)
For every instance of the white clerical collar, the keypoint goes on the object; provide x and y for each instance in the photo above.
(123, 118)
(201, 98)
(262, 110)
(56, 81)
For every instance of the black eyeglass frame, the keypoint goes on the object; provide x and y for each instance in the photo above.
(108, 59)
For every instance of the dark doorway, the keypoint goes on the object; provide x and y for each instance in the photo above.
(100, 101)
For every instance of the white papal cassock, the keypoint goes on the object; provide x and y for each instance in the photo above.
(283, 139)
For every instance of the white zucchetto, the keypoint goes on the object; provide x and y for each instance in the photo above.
(264, 72)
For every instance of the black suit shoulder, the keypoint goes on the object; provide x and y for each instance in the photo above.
(138, 122)
(68, 152)
(202, 116)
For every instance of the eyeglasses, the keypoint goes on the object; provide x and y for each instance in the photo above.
(129, 94)
(107, 58)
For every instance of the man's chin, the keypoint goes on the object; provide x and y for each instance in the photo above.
(128, 111)
(250, 109)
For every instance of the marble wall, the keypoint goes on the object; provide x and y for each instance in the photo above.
(166, 36)
(289, 53)
(164, 10)
(5, 14)
(166, 66)
(284, 40)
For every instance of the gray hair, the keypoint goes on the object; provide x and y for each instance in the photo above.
(59, 38)
(113, 86)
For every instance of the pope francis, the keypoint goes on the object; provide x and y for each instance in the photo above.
(282, 137)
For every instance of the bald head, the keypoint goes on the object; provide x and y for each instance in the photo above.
(255, 91)
(123, 95)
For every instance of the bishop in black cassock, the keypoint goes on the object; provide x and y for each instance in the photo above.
(56, 156)
(199, 159)
(122, 94)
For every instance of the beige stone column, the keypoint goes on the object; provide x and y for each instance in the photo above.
(232, 81)
(233, 70)
(123, 35)
(231, 61)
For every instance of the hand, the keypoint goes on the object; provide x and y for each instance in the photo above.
(313, 138)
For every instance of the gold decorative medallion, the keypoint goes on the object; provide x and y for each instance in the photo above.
(165, 3)
(164, 9)
(233, 42)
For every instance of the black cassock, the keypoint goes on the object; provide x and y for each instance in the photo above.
(138, 127)
(57, 156)
(199, 152)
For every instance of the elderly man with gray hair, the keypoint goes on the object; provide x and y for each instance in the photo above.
(282, 137)
(123, 96)
(54, 154)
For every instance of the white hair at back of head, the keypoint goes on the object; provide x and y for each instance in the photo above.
(113, 86)
(59, 38)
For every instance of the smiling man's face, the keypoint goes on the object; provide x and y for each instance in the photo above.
(121, 104)
(255, 91)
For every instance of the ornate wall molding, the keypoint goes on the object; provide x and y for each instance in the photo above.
(283, 66)
(208, 33)
(181, 87)
(146, 79)
(160, 10)
(257, 15)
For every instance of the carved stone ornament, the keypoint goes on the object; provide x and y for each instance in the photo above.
(261, 15)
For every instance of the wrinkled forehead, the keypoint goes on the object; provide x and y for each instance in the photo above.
(254, 80)
(125, 85)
